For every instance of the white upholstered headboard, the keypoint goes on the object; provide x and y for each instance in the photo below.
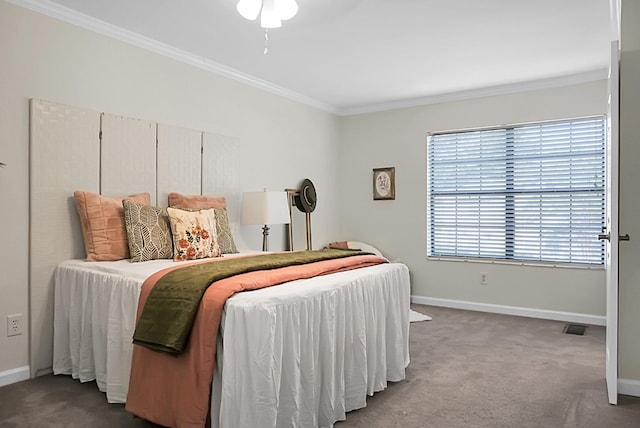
(73, 148)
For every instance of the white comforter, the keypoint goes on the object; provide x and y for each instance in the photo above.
(299, 354)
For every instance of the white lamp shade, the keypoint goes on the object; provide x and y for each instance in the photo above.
(249, 9)
(287, 9)
(265, 208)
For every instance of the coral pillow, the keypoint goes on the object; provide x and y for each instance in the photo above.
(103, 226)
(194, 234)
(198, 202)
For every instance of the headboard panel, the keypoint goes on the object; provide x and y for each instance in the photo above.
(220, 176)
(64, 155)
(128, 156)
(136, 156)
(179, 162)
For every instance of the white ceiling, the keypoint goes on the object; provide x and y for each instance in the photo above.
(360, 55)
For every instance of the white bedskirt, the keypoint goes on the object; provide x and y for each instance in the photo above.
(299, 354)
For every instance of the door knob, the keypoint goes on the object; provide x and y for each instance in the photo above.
(606, 236)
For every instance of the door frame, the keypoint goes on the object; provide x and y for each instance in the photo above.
(612, 225)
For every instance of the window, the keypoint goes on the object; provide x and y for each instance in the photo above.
(533, 192)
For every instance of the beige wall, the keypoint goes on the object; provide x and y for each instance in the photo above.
(47, 59)
(629, 315)
(398, 138)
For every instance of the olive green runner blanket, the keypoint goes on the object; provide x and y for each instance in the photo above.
(170, 310)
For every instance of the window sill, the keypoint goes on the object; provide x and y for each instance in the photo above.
(516, 262)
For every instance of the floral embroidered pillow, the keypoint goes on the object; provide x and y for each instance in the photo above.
(199, 202)
(194, 234)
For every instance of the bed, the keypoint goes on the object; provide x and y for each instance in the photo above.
(356, 323)
(302, 353)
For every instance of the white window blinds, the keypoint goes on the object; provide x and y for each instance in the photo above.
(532, 192)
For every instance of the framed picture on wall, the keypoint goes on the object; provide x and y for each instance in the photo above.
(384, 183)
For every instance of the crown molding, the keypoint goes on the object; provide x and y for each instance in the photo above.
(57, 11)
(512, 88)
(62, 13)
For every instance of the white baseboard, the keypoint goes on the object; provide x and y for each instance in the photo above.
(512, 310)
(629, 387)
(43, 372)
(19, 374)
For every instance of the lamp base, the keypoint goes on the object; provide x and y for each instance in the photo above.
(265, 238)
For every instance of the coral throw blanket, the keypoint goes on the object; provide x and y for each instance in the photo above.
(174, 389)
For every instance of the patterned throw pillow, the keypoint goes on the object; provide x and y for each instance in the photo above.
(194, 234)
(148, 231)
(225, 238)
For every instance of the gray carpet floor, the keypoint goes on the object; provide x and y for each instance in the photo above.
(468, 369)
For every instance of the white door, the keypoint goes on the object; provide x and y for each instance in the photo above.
(611, 244)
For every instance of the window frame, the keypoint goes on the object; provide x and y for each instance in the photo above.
(509, 228)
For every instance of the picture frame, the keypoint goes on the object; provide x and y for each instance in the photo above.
(384, 183)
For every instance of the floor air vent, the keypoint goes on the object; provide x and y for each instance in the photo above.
(574, 329)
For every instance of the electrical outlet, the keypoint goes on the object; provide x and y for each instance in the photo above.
(483, 278)
(14, 325)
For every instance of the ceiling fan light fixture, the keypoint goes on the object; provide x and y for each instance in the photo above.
(270, 18)
(249, 9)
(272, 12)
